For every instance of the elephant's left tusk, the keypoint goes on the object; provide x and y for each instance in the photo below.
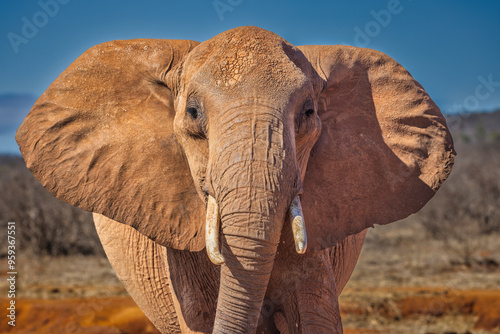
(298, 226)
(212, 232)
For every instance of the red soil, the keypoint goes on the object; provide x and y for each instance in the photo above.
(120, 314)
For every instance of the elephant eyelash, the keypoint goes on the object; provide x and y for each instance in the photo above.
(197, 134)
(197, 128)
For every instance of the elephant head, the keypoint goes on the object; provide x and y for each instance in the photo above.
(189, 142)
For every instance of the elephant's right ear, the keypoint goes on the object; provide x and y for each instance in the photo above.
(101, 138)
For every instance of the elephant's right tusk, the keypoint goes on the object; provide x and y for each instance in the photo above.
(298, 226)
(212, 232)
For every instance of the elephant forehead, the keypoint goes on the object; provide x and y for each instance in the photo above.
(249, 55)
(233, 66)
(254, 59)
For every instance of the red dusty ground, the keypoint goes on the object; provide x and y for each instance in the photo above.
(121, 314)
(89, 316)
(411, 302)
(485, 304)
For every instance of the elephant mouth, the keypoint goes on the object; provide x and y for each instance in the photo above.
(212, 228)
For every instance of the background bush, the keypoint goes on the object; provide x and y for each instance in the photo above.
(44, 224)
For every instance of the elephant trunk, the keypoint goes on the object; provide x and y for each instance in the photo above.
(254, 184)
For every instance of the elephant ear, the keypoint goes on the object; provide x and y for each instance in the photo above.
(384, 148)
(101, 138)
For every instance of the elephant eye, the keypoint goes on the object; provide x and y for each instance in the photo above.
(193, 112)
(195, 124)
(304, 120)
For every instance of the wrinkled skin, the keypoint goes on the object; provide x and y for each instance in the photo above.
(143, 132)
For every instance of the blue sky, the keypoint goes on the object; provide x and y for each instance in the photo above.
(451, 47)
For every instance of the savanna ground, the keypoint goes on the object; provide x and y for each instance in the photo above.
(437, 271)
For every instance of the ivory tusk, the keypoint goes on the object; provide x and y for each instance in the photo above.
(212, 232)
(298, 226)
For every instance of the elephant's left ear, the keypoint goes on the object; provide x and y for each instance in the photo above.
(101, 138)
(384, 148)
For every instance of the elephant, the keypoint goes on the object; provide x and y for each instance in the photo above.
(232, 181)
